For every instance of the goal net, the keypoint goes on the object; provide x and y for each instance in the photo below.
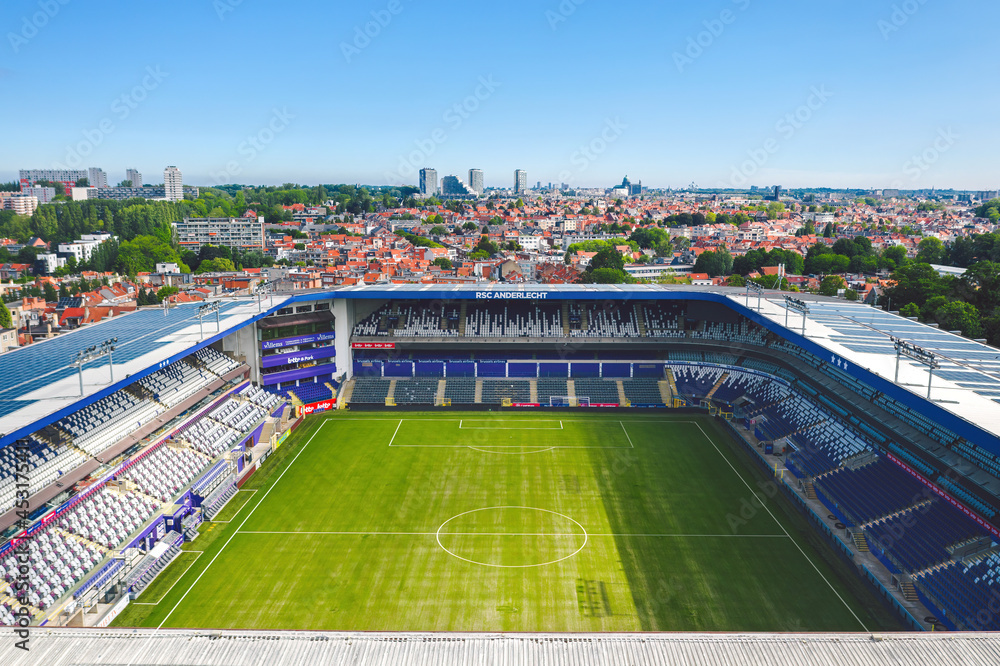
(567, 401)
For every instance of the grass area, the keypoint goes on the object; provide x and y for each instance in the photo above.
(511, 522)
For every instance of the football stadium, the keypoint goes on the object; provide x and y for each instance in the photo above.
(519, 474)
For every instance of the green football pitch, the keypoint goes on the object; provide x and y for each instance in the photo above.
(509, 521)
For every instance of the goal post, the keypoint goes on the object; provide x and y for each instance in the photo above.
(568, 401)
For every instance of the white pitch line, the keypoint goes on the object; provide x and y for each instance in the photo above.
(626, 435)
(256, 506)
(396, 431)
(775, 518)
(569, 534)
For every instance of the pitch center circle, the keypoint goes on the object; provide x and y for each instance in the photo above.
(511, 537)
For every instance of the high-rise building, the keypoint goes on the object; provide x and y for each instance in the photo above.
(428, 181)
(134, 176)
(97, 177)
(172, 184)
(777, 192)
(68, 177)
(476, 180)
(242, 232)
(454, 186)
(520, 181)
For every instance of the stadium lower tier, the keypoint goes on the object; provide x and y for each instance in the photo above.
(911, 526)
(88, 538)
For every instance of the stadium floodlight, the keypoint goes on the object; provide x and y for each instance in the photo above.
(265, 288)
(94, 352)
(209, 308)
(798, 306)
(918, 354)
(756, 289)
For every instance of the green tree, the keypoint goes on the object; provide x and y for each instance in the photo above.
(916, 283)
(5, 318)
(851, 295)
(607, 257)
(909, 310)
(165, 292)
(831, 284)
(50, 293)
(439, 230)
(443, 262)
(959, 316)
(930, 250)
(606, 276)
(218, 265)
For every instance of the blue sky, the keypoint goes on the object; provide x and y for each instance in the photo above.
(839, 93)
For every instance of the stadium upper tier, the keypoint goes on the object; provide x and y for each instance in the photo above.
(41, 385)
(966, 383)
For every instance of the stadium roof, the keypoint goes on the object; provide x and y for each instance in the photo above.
(967, 383)
(113, 647)
(41, 386)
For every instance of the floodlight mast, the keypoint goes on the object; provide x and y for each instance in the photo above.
(94, 352)
(798, 306)
(918, 354)
(757, 289)
(205, 309)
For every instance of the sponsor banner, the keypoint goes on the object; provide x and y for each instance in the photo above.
(602, 404)
(525, 404)
(297, 340)
(945, 496)
(281, 439)
(315, 407)
(299, 373)
(373, 345)
(299, 357)
(115, 611)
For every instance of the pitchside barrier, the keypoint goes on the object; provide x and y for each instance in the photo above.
(315, 407)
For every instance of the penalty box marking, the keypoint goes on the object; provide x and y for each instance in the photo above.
(461, 426)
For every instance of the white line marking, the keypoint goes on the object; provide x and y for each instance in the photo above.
(626, 434)
(512, 453)
(768, 509)
(259, 502)
(496, 446)
(651, 536)
(394, 433)
(164, 595)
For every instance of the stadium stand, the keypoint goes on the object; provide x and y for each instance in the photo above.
(495, 391)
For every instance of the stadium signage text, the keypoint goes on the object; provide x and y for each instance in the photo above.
(373, 345)
(511, 295)
(300, 340)
(313, 407)
(299, 357)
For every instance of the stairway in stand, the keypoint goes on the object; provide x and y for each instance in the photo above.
(479, 392)
(665, 395)
(622, 400)
(640, 320)
(810, 490)
(861, 542)
(390, 397)
(533, 391)
(345, 397)
(461, 319)
(439, 396)
(570, 388)
(718, 385)
(908, 590)
(565, 318)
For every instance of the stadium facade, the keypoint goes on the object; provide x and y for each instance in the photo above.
(884, 431)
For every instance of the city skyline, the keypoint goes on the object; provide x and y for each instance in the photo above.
(808, 106)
